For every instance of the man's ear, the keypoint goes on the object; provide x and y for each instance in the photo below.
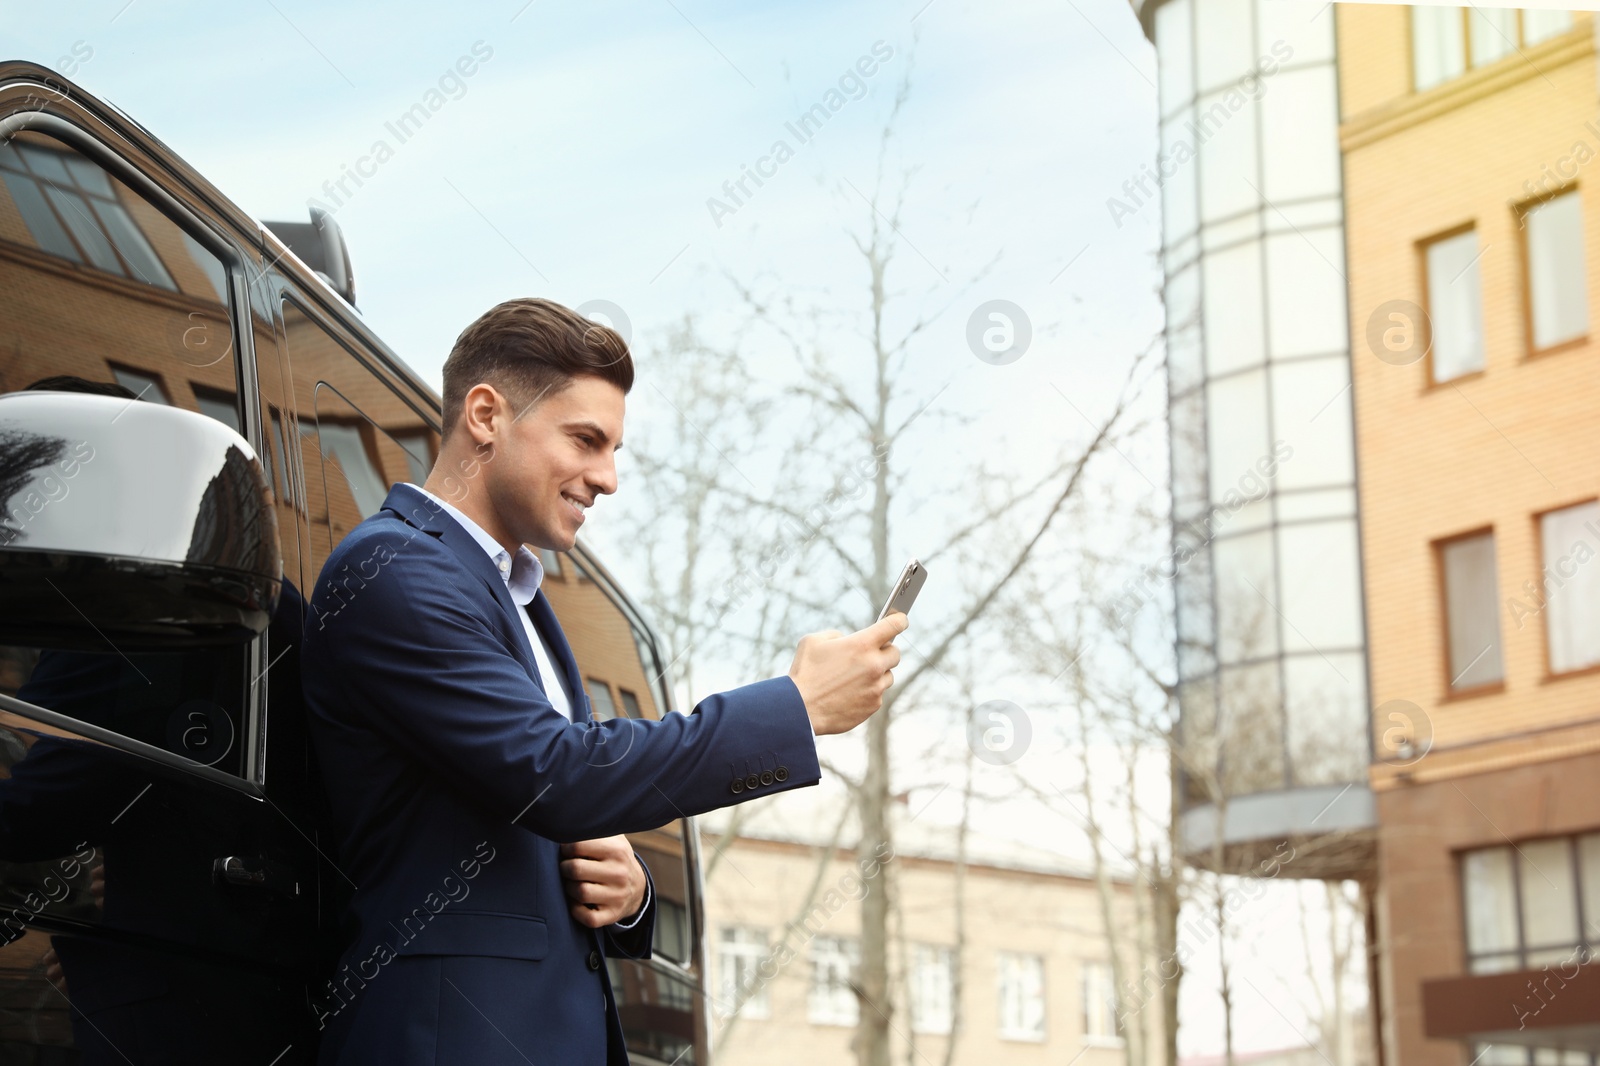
(479, 409)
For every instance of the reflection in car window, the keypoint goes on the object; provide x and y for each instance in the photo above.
(342, 444)
(351, 429)
(74, 211)
(225, 409)
(76, 240)
(145, 386)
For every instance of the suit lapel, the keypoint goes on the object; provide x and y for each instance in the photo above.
(544, 618)
(418, 510)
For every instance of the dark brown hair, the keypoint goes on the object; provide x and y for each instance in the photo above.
(529, 349)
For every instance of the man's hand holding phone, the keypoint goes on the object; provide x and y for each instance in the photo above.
(842, 676)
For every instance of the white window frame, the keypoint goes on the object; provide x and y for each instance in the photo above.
(1464, 23)
(1455, 599)
(740, 951)
(932, 989)
(1020, 978)
(1542, 265)
(1455, 307)
(1570, 554)
(1101, 1027)
(832, 1001)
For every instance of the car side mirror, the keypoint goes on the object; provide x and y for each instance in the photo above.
(132, 524)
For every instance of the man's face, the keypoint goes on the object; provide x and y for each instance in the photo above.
(555, 460)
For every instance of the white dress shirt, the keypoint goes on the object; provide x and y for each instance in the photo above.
(523, 576)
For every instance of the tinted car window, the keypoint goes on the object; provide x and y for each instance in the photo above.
(100, 284)
(351, 430)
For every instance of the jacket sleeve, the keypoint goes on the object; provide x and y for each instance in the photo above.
(411, 657)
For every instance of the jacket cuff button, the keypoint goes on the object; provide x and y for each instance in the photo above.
(781, 774)
(737, 786)
(752, 781)
(766, 777)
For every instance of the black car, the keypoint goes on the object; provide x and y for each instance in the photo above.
(192, 414)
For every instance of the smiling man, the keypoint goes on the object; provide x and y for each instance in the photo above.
(479, 808)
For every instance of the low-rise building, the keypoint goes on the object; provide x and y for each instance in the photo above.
(1005, 954)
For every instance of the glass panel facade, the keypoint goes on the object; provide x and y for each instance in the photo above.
(1175, 53)
(1260, 414)
(1325, 695)
(1247, 622)
(1299, 161)
(1234, 333)
(1305, 286)
(1321, 577)
(1228, 162)
(1223, 42)
(1251, 726)
(1311, 416)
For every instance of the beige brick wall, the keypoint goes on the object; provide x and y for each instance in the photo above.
(1491, 449)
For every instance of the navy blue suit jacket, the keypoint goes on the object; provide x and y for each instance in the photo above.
(451, 781)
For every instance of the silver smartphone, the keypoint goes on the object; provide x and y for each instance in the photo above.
(905, 590)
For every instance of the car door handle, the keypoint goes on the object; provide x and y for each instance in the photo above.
(256, 873)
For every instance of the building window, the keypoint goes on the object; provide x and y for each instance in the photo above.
(552, 562)
(1021, 997)
(1570, 540)
(1455, 305)
(932, 988)
(1438, 45)
(347, 461)
(670, 938)
(219, 405)
(419, 453)
(1540, 23)
(1507, 1055)
(630, 703)
(1558, 305)
(1531, 905)
(146, 386)
(740, 949)
(600, 699)
(1445, 41)
(833, 999)
(1100, 1022)
(73, 211)
(1472, 616)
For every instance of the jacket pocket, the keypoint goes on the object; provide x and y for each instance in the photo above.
(481, 933)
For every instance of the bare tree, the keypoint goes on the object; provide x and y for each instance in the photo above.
(859, 412)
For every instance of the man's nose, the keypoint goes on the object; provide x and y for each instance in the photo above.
(603, 479)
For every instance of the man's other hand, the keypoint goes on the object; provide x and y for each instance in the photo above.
(602, 879)
(842, 677)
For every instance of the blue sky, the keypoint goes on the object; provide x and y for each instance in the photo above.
(586, 148)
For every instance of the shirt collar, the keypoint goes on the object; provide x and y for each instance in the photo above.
(522, 574)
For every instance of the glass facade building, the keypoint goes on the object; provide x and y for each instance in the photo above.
(1270, 630)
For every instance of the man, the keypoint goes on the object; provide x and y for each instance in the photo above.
(477, 803)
